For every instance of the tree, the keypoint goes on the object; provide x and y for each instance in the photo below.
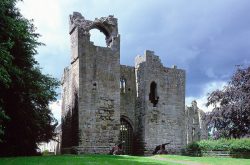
(3, 118)
(25, 92)
(230, 117)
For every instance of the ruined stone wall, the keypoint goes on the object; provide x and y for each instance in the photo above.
(203, 125)
(70, 87)
(127, 106)
(99, 104)
(140, 104)
(163, 122)
(128, 95)
(66, 125)
(195, 123)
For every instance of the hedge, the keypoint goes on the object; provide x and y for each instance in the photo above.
(231, 145)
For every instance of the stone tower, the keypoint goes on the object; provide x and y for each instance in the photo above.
(91, 89)
(160, 103)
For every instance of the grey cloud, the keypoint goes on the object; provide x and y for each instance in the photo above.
(206, 38)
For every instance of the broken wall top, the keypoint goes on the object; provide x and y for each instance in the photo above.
(107, 25)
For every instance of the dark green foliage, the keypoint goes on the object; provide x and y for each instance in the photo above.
(232, 145)
(231, 114)
(24, 91)
(3, 118)
(194, 149)
(45, 153)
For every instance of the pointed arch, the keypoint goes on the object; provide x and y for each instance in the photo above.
(126, 136)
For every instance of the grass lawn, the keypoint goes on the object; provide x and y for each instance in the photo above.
(209, 160)
(82, 160)
(120, 160)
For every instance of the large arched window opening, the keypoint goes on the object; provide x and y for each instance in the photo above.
(153, 97)
(126, 136)
(97, 37)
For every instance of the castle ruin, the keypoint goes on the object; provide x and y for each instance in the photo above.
(105, 103)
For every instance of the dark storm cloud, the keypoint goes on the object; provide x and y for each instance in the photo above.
(207, 39)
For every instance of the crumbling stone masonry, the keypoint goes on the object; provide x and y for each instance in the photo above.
(105, 103)
(161, 100)
(195, 123)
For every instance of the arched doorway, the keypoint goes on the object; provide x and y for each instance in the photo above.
(126, 136)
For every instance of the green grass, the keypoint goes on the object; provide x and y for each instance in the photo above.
(82, 160)
(119, 160)
(209, 160)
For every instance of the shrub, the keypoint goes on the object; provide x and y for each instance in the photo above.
(232, 145)
(240, 145)
(45, 152)
(194, 149)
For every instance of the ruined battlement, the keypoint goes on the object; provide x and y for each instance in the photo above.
(107, 25)
(148, 57)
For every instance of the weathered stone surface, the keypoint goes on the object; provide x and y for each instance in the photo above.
(195, 123)
(164, 122)
(99, 94)
(94, 75)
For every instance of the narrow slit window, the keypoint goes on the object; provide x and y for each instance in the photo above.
(193, 133)
(123, 85)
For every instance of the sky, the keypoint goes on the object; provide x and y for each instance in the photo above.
(207, 39)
